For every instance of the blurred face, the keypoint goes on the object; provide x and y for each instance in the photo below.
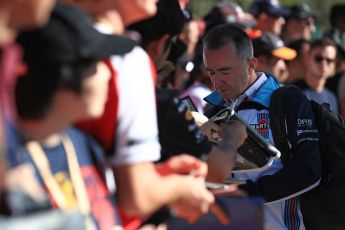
(93, 7)
(273, 65)
(136, 10)
(183, 4)
(8, 34)
(270, 23)
(322, 61)
(228, 72)
(191, 33)
(301, 28)
(29, 13)
(308, 27)
(160, 49)
(276, 24)
(95, 90)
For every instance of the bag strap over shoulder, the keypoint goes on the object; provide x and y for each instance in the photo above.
(278, 122)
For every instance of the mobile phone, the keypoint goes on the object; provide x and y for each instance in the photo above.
(188, 102)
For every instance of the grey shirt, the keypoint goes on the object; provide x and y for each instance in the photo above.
(326, 96)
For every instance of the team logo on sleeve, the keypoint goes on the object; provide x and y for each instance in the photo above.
(262, 125)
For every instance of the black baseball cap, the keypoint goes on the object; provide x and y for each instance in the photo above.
(271, 44)
(301, 11)
(270, 7)
(69, 37)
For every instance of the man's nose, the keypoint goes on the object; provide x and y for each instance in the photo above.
(217, 81)
(281, 20)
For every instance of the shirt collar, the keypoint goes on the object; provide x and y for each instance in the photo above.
(253, 89)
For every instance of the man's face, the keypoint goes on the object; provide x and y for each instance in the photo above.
(308, 27)
(95, 90)
(148, 6)
(29, 13)
(271, 23)
(136, 10)
(273, 65)
(301, 28)
(191, 32)
(227, 70)
(322, 61)
(276, 24)
(90, 102)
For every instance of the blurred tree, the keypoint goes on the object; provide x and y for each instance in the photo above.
(200, 7)
(320, 7)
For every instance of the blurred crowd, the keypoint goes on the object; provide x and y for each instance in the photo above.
(94, 132)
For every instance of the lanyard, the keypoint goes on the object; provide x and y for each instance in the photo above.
(40, 160)
(252, 90)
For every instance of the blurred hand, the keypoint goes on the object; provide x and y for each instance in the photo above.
(233, 131)
(229, 190)
(183, 164)
(195, 201)
(23, 178)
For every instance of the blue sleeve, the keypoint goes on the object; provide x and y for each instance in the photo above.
(14, 149)
(302, 170)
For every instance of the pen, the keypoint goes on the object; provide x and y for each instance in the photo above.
(231, 108)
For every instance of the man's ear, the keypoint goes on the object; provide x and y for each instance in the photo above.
(252, 63)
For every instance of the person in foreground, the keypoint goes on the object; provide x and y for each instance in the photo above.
(130, 136)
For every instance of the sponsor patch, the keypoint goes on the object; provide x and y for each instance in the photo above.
(262, 126)
(303, 122)
(300, 132)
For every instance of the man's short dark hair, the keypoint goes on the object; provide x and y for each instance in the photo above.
(322, 42)
(35, 90)
(169, 19)
(229, 33)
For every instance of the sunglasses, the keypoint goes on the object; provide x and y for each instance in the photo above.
(319, 59)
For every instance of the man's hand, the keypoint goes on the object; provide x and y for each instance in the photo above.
(209, 128)
(23, 178)
(234, 131)
(183, 164)
(195, 201)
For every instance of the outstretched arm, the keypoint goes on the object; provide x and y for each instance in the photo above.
(221, 159)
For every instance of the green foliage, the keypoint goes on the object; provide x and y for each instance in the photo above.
(320, 7)
(200, 7)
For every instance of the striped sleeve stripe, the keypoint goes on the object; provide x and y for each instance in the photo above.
(291, 218)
